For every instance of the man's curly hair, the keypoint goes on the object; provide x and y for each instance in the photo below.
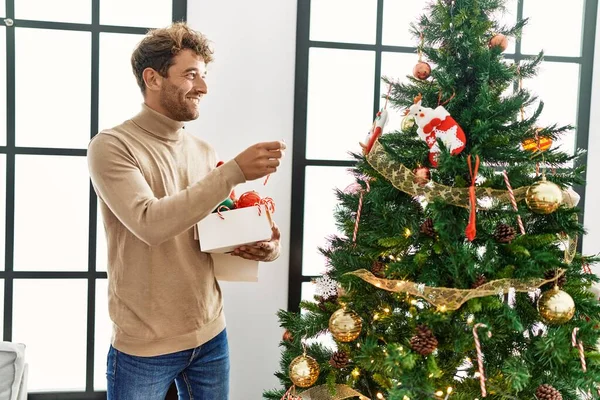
(160, 46)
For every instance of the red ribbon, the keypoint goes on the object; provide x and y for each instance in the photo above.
(471, 230)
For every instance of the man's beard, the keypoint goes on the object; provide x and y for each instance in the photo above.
(175, 103)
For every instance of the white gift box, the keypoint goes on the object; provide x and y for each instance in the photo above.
(234, 268)
(223, 232)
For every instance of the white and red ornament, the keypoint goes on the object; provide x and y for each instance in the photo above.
(381, 120)
(437, 124)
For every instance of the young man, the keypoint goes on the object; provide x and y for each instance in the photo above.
(155, 181)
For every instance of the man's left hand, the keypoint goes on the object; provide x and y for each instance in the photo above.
(262, 251)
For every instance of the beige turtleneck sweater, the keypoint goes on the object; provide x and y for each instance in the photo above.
(155, 181)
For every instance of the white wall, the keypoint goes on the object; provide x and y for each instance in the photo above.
(250, 100)
(591, 241)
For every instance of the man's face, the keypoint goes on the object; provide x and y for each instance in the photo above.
(184, 86)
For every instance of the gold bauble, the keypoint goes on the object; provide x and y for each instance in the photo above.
(304, 371)
(543, 197)
(344, 325)
(556, 307)
(407, 123)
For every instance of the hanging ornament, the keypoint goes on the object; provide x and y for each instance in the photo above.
(304, 371)
(437, 124)
(577, 344)
(422, 176)
(287, 336)
(379, 123)
(551, 275)
(481, 280)
(480, 356)
(422, 70)
(547, 392)
(540, 143)
(344, 325)
(471, 229)
(248, 199)
(504, 233)
(556, 307)
(407, 123)
(427, 228)
(543, 197)
(376, 130)
(513, 201)
(423, 342)
(326, 287)
(378, 269)
(499, 40)
(339, 359)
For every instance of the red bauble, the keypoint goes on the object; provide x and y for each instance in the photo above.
(499, 40)
(422, 176)
(422, 70)
(248, 199)
(287, 336)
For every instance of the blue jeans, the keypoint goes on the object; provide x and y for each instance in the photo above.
(200, 374)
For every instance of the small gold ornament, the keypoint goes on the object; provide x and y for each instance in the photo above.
(422, 70)
(304, 371)
(499, 40)
(543, 197)
(345, 325)
(556, 307)
(407, 123)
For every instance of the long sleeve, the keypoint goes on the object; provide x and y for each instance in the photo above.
(119, 181)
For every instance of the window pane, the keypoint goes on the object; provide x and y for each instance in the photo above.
(1, 307)
(397, 17)
(144, 13)
(120, 96)
(55, 10)
(340, 102)
(64, 85)
(54, 331)
(395, 66)
(2, 8)
(101, 250)
(2, 209)
(343, 21)
(51, 213)
(3, 84)
(560, 101)
(319, 221)
(557, 30)
(103, 334)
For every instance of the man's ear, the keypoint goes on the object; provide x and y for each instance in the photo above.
(152, 79)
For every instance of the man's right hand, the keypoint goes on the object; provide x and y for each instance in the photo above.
(260, 159)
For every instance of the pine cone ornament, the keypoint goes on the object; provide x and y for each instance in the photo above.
(322, 304)
(423, 342)
(547, 392)
(481, 280)
(378, 269)
(339, 359)
(551, 274)
(505, 233)
(427, 227)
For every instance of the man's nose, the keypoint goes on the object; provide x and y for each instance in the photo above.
(201, 86)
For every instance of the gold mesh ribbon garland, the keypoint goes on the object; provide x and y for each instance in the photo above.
(404, 179)
(322, 393)
(451, 298)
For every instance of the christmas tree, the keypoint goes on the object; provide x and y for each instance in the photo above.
(457, 274)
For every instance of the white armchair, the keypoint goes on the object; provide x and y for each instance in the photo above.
(13, 371)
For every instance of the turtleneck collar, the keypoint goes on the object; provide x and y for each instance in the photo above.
(158, 124)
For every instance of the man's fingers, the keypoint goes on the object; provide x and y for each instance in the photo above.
(276, 145)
